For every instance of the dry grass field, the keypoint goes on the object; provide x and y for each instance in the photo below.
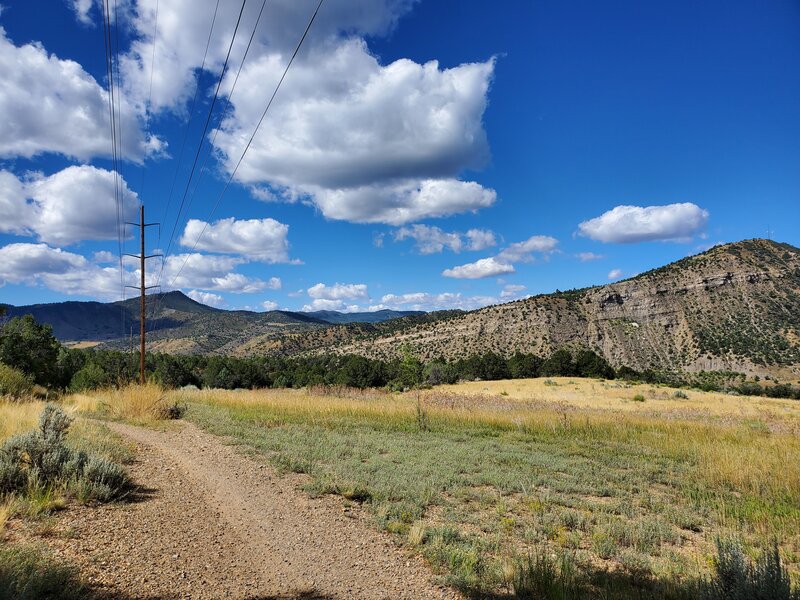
(627, 487)
(620, 396)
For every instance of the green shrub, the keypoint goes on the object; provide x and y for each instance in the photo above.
(638, 398)
(14, 383)
(41, 459)
(680, 394)
(737, 578)
(90, 377)
(31, 347)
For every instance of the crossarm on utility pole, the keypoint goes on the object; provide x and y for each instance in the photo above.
(142, 289)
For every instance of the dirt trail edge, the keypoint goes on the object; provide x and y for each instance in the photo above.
(212, 523)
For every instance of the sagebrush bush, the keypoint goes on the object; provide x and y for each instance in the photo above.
(14, 383)
(738, 578)
(41, 459)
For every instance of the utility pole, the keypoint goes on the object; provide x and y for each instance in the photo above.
(142, 288)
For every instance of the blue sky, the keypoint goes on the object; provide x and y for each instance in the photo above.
(419, 155)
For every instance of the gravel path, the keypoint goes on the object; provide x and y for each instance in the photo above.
(211, 523)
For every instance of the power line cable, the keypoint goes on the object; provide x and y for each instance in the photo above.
(147, 106)
(205, 129)
(107, 42)
(183, 147)
(189, 120)
(250, 141)
(227, 105)
(157, 304)
(200, 143)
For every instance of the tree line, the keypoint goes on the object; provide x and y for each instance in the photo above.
(31, 348)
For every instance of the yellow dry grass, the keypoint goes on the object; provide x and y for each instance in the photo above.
(617, 396)
(135, 403)
(6, 508)
(82, 344)
(18, 417)
(304, 404)
(751, 444)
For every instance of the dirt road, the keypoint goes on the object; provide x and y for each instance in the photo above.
(211, 523)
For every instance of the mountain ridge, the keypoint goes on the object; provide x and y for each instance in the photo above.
(733, 307)
(169, 315)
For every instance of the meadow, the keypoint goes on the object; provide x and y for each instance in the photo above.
(541, 488)
(625, 488)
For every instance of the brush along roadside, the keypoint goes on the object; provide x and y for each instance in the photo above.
(41, 469)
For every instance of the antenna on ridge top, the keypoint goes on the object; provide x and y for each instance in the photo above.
(142, 287)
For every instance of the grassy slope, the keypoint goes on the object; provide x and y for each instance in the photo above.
(474, 481)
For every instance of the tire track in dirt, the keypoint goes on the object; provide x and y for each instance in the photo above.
(212, 523)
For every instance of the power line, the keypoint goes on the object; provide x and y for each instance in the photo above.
(200, 144)
(189, 120)
(157, 304)
(227, 104)
(107, 42)
(205, 129)
(149, 102)
(183, 146)
(250, 141)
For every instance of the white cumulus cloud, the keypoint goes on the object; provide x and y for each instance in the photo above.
(183, 30)
(82, 9)
(338, 291)
(427, 302)
(15, 214)
(485, 267)
(480, 239)
(402, 133)
(330, 304)
(503, 262)
(397, 203)
(264, 240)
(208, 273)
(432, 240)
(58, 270)
(70, 206)
(512, 291)
(523, 251)
(589, 256)
(206, 298)
(53, 105)
(615, 274)
(631, 224)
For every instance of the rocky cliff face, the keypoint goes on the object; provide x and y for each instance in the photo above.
(734, 307)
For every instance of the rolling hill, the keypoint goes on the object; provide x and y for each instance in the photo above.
(734, 307)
